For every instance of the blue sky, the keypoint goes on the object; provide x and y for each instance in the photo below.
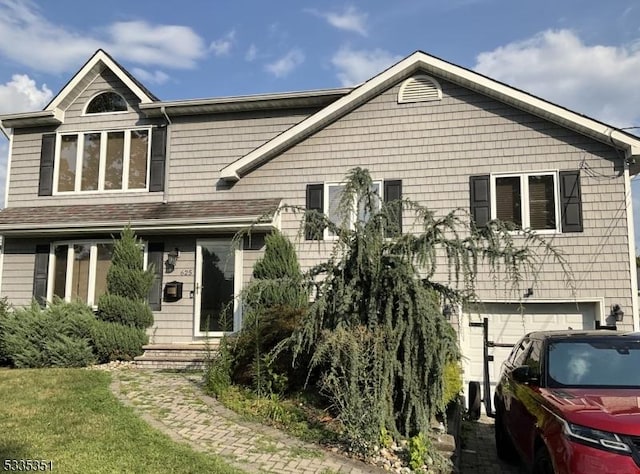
(582, 54)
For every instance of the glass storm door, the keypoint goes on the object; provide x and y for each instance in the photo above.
(216, 286)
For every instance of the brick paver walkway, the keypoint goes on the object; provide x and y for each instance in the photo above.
(479, 451)
(175, 404)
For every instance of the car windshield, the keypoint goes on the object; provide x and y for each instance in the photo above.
(597, 363)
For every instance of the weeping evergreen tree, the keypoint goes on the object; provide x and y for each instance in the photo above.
(375, 330)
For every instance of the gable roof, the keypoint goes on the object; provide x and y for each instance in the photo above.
(420, 61)
(121, 73)
(53, 114)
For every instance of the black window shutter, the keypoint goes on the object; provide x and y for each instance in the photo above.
(571, 201)
(393, 194)
(155, 256)
(480, 196)
(40, 274)
(158, 155)
(47, 156)
(315, 201)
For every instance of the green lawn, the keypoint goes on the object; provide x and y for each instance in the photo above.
(70, 417)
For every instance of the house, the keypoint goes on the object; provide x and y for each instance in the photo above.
(188, 174)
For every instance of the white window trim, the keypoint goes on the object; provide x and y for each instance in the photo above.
(524, 196)
(101, 171)
(93, 261)
(97, 114)
(325, 203)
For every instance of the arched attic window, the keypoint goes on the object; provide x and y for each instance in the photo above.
(419, 89)
(106, 102)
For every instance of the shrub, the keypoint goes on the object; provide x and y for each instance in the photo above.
(119, 309)
(252, 364)
(55, 336)
(5, 307)
(217, 377)
(451, 381)
(128, 284)
(113, 341)
(277, 276)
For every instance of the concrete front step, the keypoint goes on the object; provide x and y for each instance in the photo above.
(176, 356)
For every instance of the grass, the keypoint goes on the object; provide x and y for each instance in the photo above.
(70, 417)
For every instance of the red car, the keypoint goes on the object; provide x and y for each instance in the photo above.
(568, 402)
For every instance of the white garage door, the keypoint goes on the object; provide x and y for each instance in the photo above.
(507, 324)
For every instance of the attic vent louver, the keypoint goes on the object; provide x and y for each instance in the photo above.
(419, 89)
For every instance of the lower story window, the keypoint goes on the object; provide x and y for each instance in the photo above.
(79, 270)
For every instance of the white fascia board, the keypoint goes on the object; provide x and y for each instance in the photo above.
(168, 227)
(320, 119)
(456, 74)
(99, 56)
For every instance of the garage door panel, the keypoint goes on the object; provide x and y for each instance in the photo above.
(508, 323)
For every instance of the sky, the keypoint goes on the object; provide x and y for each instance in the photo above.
(581, 54)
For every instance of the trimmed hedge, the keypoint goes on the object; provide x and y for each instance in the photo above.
(119, 309)
(113, 341)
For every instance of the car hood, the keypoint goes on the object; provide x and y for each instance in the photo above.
(614, 410)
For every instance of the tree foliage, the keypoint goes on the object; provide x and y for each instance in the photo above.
(128, 284)
(375, 331)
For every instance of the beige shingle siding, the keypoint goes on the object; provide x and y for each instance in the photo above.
(201, 146)
(433, 147)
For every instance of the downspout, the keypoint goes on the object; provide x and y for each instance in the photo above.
(632, 247)
(167, 155)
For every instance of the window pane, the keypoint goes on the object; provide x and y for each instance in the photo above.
(90, 162)
(60, 276)
(105, 252)
(335, 194)
(508, 201)
(67, 167)
(80, 275)
(107, 102)
(218, 272)
(363, 214)
(138, 159)
(115, 158)
(542, 213)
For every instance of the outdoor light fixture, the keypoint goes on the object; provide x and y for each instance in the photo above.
(172, 258)
(616, 312)
(447, 311)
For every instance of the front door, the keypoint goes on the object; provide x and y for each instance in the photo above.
(218, 277)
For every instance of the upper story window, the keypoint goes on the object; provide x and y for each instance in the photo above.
(102, 161)
(548, 201)
(528, 200)
(325, 198)
(333, 195)
(106, 102)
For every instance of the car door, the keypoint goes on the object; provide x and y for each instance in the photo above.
(525, 405)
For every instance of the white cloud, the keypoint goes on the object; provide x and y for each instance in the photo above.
(151, 77)
(222, 46)
(283, 66)
(252, 53)
(28, 38)
(355, 67)
(350, 19)
(21, 94)
(599, 81)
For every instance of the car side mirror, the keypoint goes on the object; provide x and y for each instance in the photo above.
(524, 374)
